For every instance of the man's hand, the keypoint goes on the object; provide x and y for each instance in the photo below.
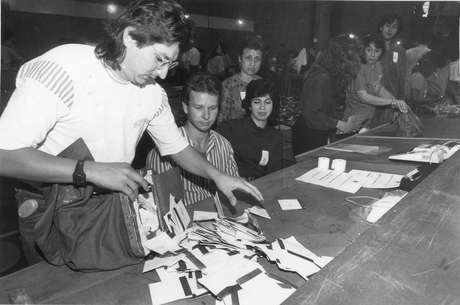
(353, 124)
(115, 176)
(227, 184)
(400, 105)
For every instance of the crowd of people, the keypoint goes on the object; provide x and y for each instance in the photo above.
(108, 96)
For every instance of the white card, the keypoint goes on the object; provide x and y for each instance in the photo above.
(395, 57)
(243, 95)
(264, 159)
(289, 204)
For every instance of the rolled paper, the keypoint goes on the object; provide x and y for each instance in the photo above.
(339, 165)
(323, 162)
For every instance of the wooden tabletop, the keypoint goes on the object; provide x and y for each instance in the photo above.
(410, 256)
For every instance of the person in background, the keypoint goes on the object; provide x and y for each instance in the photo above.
(191, 58)
(107, 96)
(393, 65)
(258, 145)
(331, 73)
(201, 104)
(426, 86)
(366, 92)
(219, 62)
(234, 87)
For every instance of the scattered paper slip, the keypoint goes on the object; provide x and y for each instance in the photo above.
(204, 215)
(381, 206)
(256, 210)
(289, 204)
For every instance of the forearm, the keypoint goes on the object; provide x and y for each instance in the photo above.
(32, 164)
(193, 162)
(374, 100)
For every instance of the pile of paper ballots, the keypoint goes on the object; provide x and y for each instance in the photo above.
(221, 257)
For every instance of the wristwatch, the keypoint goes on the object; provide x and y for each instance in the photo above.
(79, 176)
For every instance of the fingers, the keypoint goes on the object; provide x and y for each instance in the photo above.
(250, 189)
(138, 179)
(231, 198)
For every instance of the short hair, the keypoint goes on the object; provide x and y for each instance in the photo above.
(154, 21)
(261, 87)
(376, 39)
(252, 43)
(201, 82)
(389, 19)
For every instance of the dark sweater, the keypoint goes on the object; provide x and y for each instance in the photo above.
(249, 141)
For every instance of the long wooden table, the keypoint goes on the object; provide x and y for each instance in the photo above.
(410, 256)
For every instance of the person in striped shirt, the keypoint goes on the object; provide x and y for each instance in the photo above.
(201, 105)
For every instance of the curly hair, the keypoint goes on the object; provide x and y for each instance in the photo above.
(153, 21)
(252, 42)
(389, 19)
(342, 59)
(261, 87)
(377, 40)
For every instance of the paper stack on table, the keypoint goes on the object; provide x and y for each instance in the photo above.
(429, 153)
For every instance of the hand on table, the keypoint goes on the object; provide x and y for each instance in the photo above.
(400, 105)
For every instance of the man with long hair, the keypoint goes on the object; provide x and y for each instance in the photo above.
(108, 97)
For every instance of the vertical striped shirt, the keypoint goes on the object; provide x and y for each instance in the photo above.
(219, 153)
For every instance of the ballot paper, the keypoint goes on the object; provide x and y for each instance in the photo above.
(289, 204)
(331, 179)
(162, 261)
(174, 286)
(383, 205)
(261, 289)
(256, 210)
(204, 215)
(376, 180)
(146, 217)
(162, 243)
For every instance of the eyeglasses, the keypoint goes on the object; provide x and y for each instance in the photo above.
(165, 63)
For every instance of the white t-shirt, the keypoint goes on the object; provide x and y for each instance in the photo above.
(67, 93)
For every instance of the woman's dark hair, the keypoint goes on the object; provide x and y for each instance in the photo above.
(429, 63)
(203, 83)
(341, 59)
(261, 87)
(153, 21)
(373, 38)
(253, 43)
(389, 19)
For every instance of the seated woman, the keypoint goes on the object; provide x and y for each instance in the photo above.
(234, 87)
(327, 78)
(258, 146)
(366, 92)
(426, 86)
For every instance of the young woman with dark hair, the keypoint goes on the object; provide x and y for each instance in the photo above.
(366, 92)
(257, 144)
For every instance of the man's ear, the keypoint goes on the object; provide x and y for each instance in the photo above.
(128, 41)
(185, 107)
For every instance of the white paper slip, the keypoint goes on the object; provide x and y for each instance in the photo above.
(370, 179)
(381, 206)
(162, 243)
(204, 215)
(289, 204)
(165, 261)
(256, 210)
(171, 287)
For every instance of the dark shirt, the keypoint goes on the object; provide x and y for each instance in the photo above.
(318, 100)
(394, 70)
(249, 142)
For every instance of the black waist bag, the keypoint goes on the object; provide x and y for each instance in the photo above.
(87, 231)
